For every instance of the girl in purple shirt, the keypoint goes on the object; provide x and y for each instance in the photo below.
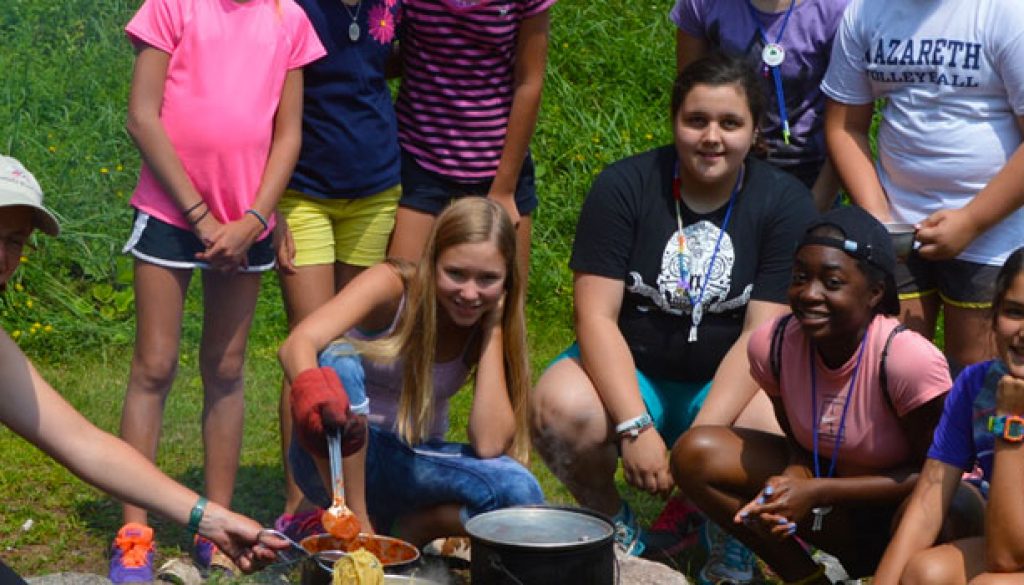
(949, 533)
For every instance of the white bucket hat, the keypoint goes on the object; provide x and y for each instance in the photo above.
(19, 187)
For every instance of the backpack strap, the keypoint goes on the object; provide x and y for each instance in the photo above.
(883, 380)
(775, 351)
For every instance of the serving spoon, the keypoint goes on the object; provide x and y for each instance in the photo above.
(338, 520)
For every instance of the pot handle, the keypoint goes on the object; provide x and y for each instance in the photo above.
(497, 565)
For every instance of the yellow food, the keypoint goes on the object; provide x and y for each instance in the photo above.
(359, 567)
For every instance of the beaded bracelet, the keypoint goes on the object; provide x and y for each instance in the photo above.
(196, 515)
(259, 217)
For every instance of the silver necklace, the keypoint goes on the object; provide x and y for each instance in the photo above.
(353, 29)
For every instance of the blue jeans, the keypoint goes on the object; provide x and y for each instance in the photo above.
(402, 480)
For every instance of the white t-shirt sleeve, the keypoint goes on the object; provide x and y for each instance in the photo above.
(1007, 27)
(846, 80)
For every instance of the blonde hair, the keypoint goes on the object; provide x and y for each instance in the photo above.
(468, 220)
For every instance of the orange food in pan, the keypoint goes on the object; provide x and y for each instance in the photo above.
(390, 551)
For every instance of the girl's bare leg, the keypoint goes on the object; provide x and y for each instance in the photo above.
(412, 228)
(921, 313)
(426, 525)
(159, 301)
(968, 336)
(721, 469)
(523, 235)
(946, 564)
(229, 301)
(573, 434)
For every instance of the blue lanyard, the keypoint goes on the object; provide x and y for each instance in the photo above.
(697, 313)
(846, 407)
(776, 69)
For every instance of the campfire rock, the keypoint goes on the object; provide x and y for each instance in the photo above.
(637, 571)
(68, 579)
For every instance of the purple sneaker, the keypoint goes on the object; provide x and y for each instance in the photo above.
(202, 551)
(300, 524)
(209, 558)
(131, 556)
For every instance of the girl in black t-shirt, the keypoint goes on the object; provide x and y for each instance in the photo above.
(680, 253)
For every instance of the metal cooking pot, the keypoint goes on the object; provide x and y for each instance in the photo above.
(540, 545)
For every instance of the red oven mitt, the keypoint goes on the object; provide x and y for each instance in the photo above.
(320, 403)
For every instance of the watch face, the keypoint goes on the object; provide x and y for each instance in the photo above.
(1014, 430)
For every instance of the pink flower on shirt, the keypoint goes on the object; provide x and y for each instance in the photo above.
(389, 3)
(382, 24)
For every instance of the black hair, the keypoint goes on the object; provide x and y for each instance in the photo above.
(718, 68)
(874, 274)
(1013, 266)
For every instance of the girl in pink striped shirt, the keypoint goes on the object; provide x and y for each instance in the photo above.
(473, 71)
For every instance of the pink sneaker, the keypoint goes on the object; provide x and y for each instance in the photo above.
(677, 527)
(300, 524)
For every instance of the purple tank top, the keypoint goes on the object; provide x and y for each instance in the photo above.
(384, 385)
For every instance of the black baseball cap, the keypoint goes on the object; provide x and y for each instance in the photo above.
(864, 238)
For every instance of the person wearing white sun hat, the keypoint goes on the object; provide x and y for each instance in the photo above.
(30, 407)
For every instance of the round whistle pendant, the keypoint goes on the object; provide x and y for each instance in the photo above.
(773, 54)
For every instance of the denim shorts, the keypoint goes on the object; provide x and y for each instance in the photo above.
(401, 479)
(430, 192)
(673, 405)
(163, 244)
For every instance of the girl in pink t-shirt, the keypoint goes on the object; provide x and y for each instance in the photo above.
(856, 397)
(215, 109)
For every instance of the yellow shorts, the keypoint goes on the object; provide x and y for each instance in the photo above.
(352, 231)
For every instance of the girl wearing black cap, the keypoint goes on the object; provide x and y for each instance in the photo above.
(857, 400)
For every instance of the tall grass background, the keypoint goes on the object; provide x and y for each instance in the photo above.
(65, 70)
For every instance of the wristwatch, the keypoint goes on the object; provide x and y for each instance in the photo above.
(633, 427)
(1008, 427)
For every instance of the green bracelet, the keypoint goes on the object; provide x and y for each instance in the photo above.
(196, 515)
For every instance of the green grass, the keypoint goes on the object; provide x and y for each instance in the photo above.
(64, 74)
